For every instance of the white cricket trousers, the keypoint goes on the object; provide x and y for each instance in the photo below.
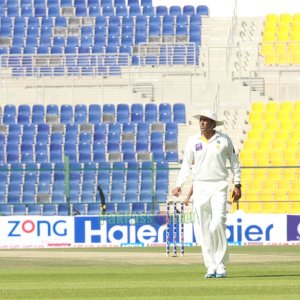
(210, 199)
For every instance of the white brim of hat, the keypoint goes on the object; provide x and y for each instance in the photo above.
(218, 123)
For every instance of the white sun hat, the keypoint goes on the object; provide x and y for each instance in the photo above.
(209, 114)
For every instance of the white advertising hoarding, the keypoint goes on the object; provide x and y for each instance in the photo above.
(138, 231)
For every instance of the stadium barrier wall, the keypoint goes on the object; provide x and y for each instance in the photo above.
(139, 231)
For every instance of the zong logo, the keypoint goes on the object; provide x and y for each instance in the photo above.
(38, 228)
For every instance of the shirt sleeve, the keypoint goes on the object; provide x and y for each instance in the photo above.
(234, 163)
(185, 170)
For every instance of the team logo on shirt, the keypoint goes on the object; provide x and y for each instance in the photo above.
(198, 147)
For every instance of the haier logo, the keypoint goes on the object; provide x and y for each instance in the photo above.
(23, 228)
(92, 230)
(248, 233)
(293, 228)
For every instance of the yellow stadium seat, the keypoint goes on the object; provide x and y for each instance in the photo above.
(255, 116)
(280, 142)
(272, 106)
(270, 59)
(269, 134)
(294, 48)
(247, 173)
(258, 107)
(269, 37)
(269, 207)
(295, 207)
(286, 106)
(294, 196)
(272, 125)
(293, 142)
(284, 185)
(295, 35)
(265, 144)
(285, 18)
(285, 121)
(295, 58)
(274, 173)
(267, 48)
(283, 207)
(281, 48)
(291, 152)
(270, 184)
(270, 116)
(250, 144)
(297, 105)
(275, 155)
(250, 196)
(272, 18)
(284, 59)
(296, 18)
(295, 187)
(283, 36)
(257, 125)
(291, 162)
(260, 174)
(289, 173)
(255, 185)
(281, 195)
(244, 206)
(255, 207)
(255, 134)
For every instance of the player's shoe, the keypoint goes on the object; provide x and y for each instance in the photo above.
(221, 271)
(211, 273)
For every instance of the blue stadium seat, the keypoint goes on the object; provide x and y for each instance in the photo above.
(49, 209)
(138, 208)
(110, 208)
(121, 11)
(34, 209)
(150, 112)
(148, 10)
(127, 21)
(79, 209)
(175, 10)
(122, 113)
(93, 209)
(5, 210)
(108, 10)
(179, 114)
(116, 197)
(94, 11)
(202, 10)
(188, 10)
(134, 10)
(123, 208)
(153, 208)
(94, 113)
(19, 210)
(146, 196)
(62, 209)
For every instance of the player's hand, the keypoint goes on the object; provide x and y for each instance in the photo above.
(176, 191)
(236, 194)
(186, 201)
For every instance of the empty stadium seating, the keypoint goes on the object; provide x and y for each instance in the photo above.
(102, 36)
(33, 152)
(281, 37)
(271, 158)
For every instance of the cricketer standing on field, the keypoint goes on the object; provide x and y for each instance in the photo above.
(208, 152)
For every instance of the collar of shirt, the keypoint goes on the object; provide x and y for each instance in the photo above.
(205, 140)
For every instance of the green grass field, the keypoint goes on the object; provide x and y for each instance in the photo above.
(132, 273)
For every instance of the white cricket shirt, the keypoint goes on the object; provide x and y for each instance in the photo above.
(208, 159)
